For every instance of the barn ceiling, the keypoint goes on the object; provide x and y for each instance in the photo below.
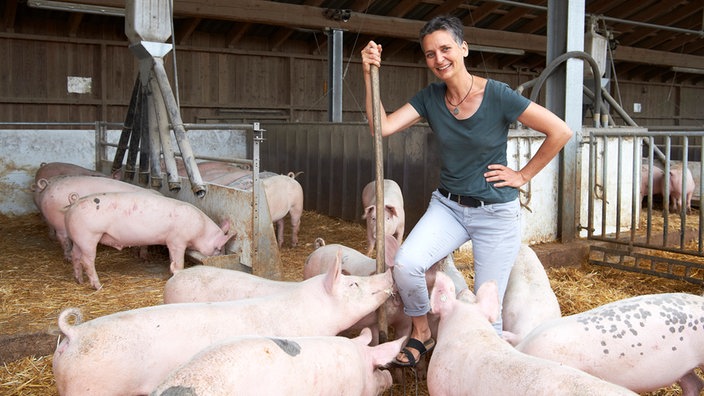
(651, 40)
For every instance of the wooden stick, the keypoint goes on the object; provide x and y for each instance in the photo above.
(379, 156)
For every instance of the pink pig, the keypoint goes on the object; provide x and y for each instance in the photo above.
(220, 172)
(529, 299)
(469, 358)
(121, 219)
(658, 178)
(353, 262)
(395, 219)
(284, 195)
(55, 195)
(643, 343)
(51, 169)
(676, 176)
(203, 283)
(132, 352)
(253, 365)
(356, 263)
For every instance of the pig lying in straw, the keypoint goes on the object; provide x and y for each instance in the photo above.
(394, 222)
(252, 365)
(132, 352)
(471, 359)
(643, 343)
(529, 299)
(121, 219)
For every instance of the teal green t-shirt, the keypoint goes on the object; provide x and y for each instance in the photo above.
(469, 146)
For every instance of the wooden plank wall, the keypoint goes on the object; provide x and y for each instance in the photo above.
(217, 83)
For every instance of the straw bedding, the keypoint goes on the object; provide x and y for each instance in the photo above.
(36, 284)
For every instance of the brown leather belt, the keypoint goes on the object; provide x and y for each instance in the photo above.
(463, 200)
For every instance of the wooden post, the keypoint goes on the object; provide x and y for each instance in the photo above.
(379, 157)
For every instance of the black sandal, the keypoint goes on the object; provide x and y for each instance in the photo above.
(421, 347)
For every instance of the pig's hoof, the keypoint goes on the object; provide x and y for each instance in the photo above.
(421, 347)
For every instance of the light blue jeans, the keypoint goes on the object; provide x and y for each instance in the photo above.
(495, 232)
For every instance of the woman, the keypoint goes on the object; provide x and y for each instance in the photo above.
(477, 198)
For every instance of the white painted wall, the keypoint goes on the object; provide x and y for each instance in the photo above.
(23, 151)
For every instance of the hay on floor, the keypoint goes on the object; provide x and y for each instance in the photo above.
(37, 283)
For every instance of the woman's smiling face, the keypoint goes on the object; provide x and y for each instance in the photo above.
(443, 55)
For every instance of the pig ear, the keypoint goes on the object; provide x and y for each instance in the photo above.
(390, 250)
(488, 300)
(443, 291)
(385, 353)
(367, 211)
(364, 337)
(225, 226)
(392, 210)
(334, 272)
(319, 242)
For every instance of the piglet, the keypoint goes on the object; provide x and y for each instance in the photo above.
(121, 219)
(643, 343)
(471, 359)
(529, 299)
(132, 352)
(395, 216)
(322, 365)
(676, 196)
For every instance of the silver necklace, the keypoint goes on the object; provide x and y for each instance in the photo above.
(456, 109)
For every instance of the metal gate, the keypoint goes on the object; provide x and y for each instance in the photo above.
(629, 224)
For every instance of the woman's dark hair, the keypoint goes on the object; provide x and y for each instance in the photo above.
(448, 23)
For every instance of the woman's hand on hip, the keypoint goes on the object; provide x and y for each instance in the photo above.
(503, 176)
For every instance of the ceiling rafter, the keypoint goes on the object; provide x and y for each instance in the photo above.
(74, 22)
(186, 28)
(488, 22)
(10, 15)
(236, 33)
